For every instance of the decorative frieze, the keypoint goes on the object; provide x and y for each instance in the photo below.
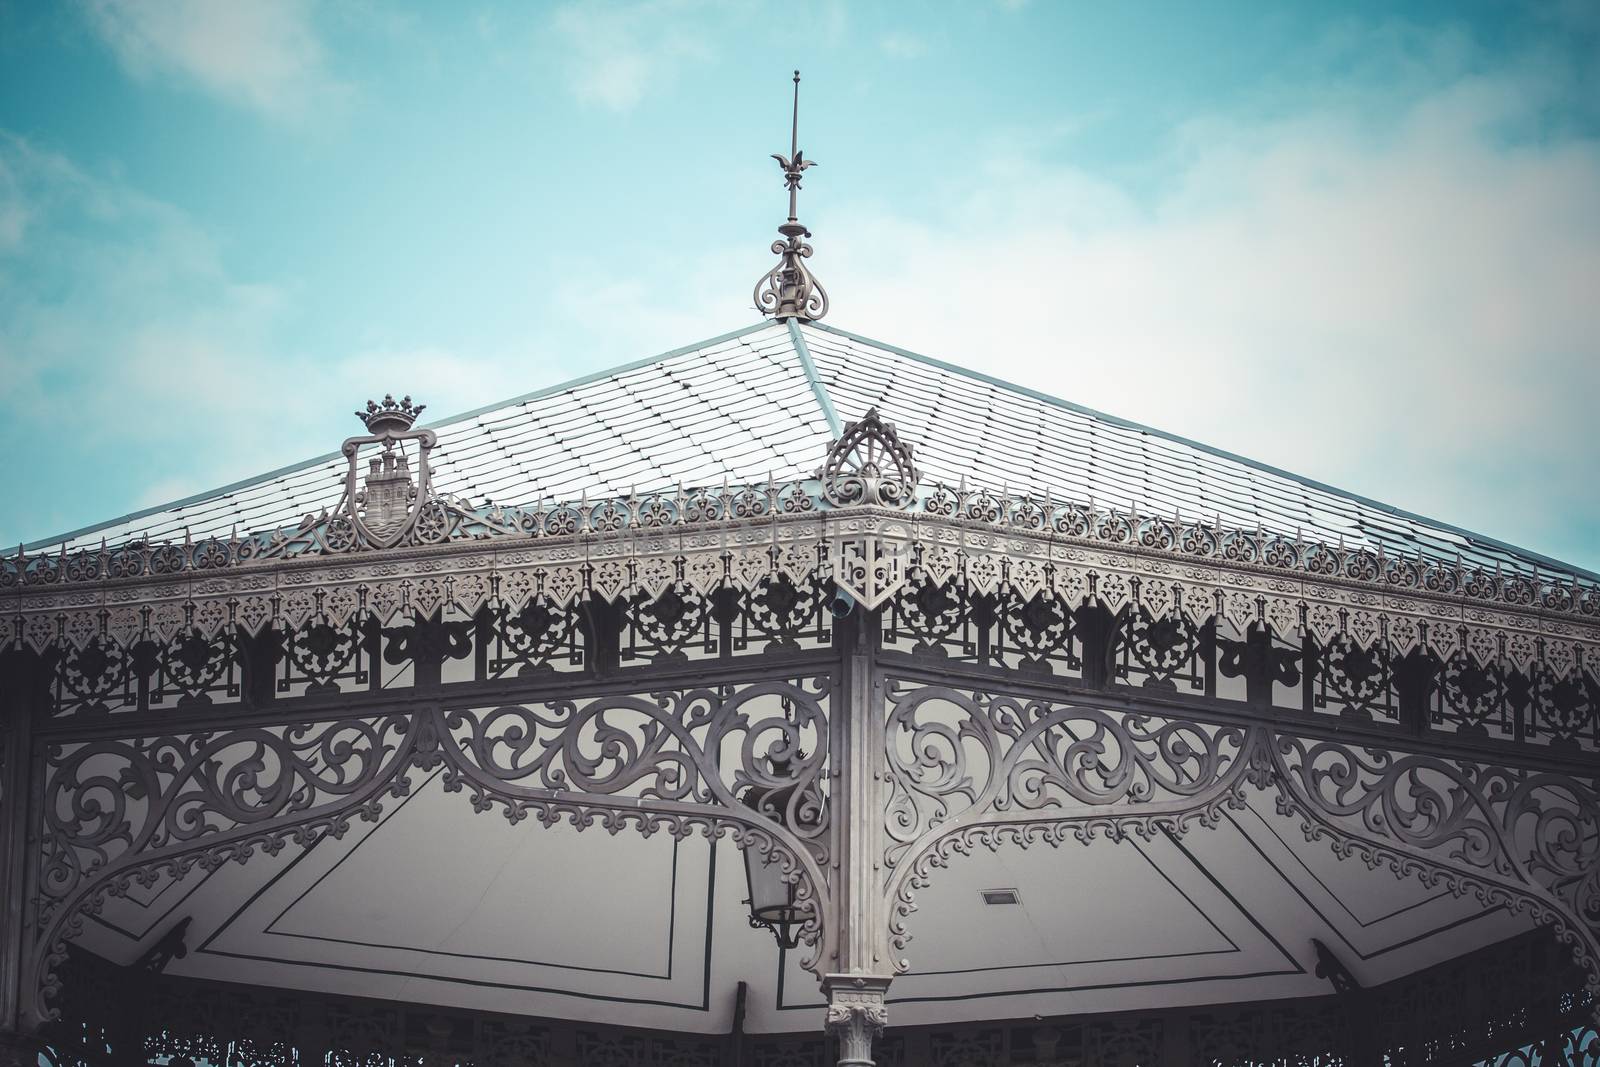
(870, 553)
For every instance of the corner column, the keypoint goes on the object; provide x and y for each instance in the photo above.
(20, 672)
(856, 987)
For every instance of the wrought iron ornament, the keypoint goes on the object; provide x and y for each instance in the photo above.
(120, 812)
(789, 290)
(856, 677)
(1015, 770)
(870, 465)
(393, 545)
(1003, 582)
(389, 506)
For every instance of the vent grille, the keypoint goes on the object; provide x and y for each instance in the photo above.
(995, 897)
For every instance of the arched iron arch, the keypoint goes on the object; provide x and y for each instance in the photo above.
(295, 784)
(1025, 769)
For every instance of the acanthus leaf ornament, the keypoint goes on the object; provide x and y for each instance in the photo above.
(857, 1015)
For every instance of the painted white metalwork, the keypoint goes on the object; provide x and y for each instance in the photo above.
(917, 768)
(740, 536)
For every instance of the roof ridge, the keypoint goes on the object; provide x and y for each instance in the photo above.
(258, 479)
(820, 391)
(955, 368)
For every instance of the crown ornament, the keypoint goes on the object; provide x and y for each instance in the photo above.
(390, 417)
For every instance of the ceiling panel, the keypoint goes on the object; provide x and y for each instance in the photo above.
(438, 904)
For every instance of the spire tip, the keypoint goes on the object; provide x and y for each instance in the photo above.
(788, 290)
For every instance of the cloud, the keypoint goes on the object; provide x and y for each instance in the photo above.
(261, 54)
(1401, 304)
(82, 243)
(128, 345)
(904, 46)
(1390, 289)
(154, 372)
(622, 51)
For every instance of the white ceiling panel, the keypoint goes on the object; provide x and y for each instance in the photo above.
(438, 904)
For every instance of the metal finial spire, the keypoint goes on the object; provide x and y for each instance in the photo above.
(794, 163)
(788, 290)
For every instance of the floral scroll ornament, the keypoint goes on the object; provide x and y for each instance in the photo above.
(869, 464)
(789, 290)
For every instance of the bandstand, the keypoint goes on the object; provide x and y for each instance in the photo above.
(786, 700)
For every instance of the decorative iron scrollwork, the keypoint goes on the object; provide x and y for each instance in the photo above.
(968, 769)
(119, 812)
(110, 801)
(1041, 627)
(193, 667)
(870, 465)
(934, 616)
(952, 752)
(321, 655)
(1560, 709)
(665, 626)
(97, 677)
(1527, 840)
(672, 746)
(789, 290)
(1354, 679)
(1472, 697)
(537, 638)
(784, 612)
(1160, 652)
(187, 671)
(1036, 632)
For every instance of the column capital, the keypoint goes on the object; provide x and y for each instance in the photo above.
(856, 1014)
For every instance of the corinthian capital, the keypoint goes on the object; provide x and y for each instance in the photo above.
(856, 1014)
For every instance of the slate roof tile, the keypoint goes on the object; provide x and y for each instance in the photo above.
(741, 407)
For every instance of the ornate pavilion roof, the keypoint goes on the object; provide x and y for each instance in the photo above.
(766, 401)
(637, 601)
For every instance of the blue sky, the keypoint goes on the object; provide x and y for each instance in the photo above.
(1360, 245)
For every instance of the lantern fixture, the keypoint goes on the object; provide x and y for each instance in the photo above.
(772, 900)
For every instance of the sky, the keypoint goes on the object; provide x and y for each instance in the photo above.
(1357, 244)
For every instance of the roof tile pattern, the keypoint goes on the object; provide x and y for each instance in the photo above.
(992, 434)
(741, 408)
